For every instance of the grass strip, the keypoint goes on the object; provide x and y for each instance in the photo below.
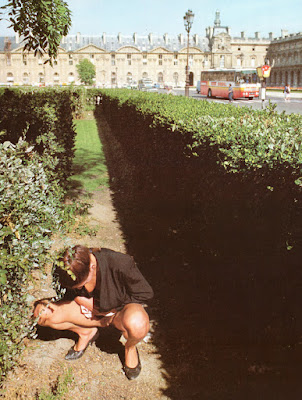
(89, 168)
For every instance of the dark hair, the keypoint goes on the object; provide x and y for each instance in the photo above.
(76, 260)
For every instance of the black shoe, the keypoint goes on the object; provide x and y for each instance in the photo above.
(72, 354)
(132, 373)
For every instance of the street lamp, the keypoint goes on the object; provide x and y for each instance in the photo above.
(188, 21)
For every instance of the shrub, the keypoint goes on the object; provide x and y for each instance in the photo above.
(31, 209)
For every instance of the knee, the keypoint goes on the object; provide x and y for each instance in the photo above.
(137, 324)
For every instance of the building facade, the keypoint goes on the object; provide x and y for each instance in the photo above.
(285, 55)
(123, 59)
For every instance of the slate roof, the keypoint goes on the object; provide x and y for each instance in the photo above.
(112, 43)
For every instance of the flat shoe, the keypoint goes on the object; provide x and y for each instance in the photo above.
(132, 373)
(72, 354)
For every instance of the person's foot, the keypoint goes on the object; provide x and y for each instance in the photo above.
(74, 354)
(133, 372)
(85, 340)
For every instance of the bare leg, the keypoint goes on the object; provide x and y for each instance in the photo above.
(133, 322)
(68, 316)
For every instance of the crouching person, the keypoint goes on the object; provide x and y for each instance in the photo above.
(109, 290)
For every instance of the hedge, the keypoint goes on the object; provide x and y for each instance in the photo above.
(36, 152)
(238, 162)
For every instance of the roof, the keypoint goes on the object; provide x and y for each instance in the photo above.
(112, 43)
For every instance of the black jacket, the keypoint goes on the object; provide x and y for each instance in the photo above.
(120, 281)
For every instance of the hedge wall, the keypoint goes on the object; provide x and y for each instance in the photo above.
(36, 152)
(216, 190)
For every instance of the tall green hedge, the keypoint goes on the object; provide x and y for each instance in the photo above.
(231, 163)
(36, 152)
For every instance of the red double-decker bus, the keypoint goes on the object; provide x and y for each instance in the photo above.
(216, 82)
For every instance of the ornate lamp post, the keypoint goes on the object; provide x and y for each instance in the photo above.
(188, 21)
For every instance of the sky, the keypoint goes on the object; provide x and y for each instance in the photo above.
(93, 17)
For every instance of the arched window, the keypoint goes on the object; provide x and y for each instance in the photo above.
(10, 78)
(56, 78)
(129, 77)
(70, 77)
(253, 62)
(239, 62)
(145, 75)
(160, 77)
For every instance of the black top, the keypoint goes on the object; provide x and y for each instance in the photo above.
(120, 281)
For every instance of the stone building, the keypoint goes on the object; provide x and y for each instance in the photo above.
(123, 59)
(285, 56)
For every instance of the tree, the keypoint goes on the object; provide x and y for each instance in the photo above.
(41, 23)
(86, 71)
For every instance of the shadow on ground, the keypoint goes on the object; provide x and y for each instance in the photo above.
(228, 322)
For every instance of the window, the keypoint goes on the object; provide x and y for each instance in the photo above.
(56, 78)
(175, 59)
(113, 79)
(221, 61)
(129, 78)
(41, 77)
(238, 62)
(253, 62)
(160, 77)
(70, 59)
(25, 78)
(190, 60)
(10, 78)
(70, 77)
(112, 59)
(40, 61)
(145, 75)
(253, 49)
(145, 59)
(24, 57)
(160, 59)
(8, 60)
(129, 59)
(239, 48)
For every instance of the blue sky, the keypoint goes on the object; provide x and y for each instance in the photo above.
(160, 16)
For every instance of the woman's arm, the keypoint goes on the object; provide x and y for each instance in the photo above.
(137, 287)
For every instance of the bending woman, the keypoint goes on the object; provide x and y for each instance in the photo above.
(109, 290)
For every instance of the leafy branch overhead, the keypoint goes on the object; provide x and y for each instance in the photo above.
(41, 23)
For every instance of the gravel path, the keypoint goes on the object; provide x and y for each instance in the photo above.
(98, 374)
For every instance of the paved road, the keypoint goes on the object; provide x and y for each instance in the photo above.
(293, 106)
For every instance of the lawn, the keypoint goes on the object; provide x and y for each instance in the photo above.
(90, 171)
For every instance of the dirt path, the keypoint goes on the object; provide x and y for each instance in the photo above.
(98, 374)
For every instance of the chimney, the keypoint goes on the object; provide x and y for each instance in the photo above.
(196, 39)
(17, 38)
(135, 37)
(257, 35)
(166, 38)
(271, 36)
(242, 35)
(150, 36)
(181, 38)
(104, 37)
(119, 37)
(284, 33)
(78, 38)
(228, 30)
